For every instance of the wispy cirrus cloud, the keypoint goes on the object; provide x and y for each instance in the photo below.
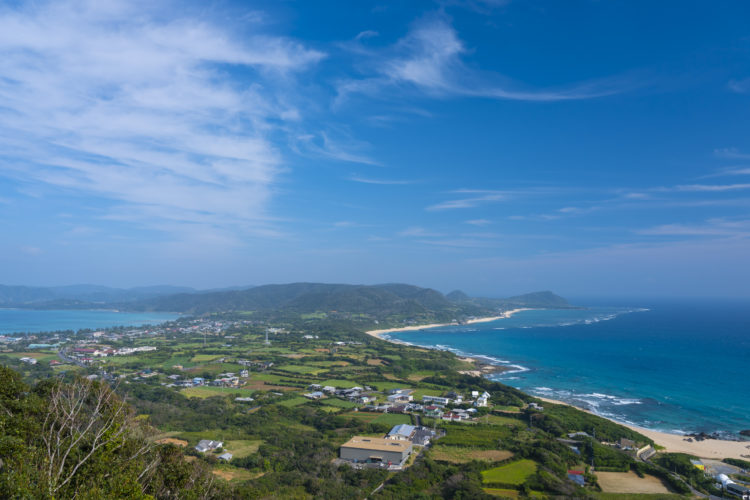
(731, 153)
(479, 222)
(325, 146)
(167, 119)
(712, 227)
(384, 182)
(418, 231)
(430, 58)
(740, 86)
(708, 188)
(477, 197)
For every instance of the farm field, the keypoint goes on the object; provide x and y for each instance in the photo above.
(207, 392)
(629, 482)
(514, 473)
(242, 447)
(291, 403)
(460, 455)
(638, 496)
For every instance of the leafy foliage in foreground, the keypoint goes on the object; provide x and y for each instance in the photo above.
(81, 440)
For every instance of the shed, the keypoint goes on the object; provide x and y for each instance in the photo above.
(376, 450)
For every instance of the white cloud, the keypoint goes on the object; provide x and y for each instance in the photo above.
(471, 202)
(479, 222)
(711, 187)
(714, 227)
(385, 182)
(323, 145)
(731, 153)
(420, 232)
(430, 58)
(167, 118)
(740, 86)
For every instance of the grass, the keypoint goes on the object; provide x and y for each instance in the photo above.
(315, 315)
(510, 409)
(330, 409)
(302, 369)
(514, 473)
(392, 419)
(243, 447)
(502, 493)
(460, 455)
(475, 436)
(340, 403)
(207, 392)
(230, 473)
(638, 496)
(290, 403)
(339, 382)
(498, 420)
(329, 364)
(629, 482)
(200, 358)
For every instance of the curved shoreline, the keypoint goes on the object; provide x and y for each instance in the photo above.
(675, 443)
(507, 314)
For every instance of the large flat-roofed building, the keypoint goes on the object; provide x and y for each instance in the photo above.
(373, 450)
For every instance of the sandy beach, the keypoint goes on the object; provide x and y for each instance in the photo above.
(505, 315)
(708, 448)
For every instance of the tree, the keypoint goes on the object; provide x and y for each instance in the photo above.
(84, 420)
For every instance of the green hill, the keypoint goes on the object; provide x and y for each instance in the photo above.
(377, 301)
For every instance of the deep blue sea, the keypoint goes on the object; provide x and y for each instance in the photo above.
(29, 321)
(674, 367)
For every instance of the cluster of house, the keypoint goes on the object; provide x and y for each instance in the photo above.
(354, 394)
(724, 482)
(86, 355)
(259, 365)
(402, 401)
(28, 361)
(221, 380)
(392, 450)
(205, 445)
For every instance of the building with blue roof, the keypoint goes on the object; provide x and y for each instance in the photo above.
(402, 432)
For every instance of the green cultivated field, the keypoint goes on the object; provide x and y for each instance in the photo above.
(242, 447)
(392, 419)
(514, 473)
(290, 403)
(207, 392)
(302, 369)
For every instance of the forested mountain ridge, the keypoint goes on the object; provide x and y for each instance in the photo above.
(381, 301)
(384, 300)
(72, 296)
(536, 300)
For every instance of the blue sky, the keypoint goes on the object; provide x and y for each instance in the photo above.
(499, 147)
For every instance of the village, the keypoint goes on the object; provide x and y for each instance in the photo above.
(399, 408)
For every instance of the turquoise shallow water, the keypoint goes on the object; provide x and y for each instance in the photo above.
(28, 321)
(674, 367)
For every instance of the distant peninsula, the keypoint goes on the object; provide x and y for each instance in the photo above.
(394, 303)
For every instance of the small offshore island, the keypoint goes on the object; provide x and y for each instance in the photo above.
(288, 391)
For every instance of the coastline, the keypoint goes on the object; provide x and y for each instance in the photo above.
(715, 449)
(507, 314)
(676, 443)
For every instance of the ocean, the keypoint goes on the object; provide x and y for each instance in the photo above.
(31, 321)
(678, 367)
